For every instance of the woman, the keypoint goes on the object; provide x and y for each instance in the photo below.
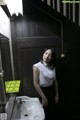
(45, 83)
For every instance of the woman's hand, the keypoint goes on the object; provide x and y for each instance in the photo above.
(44, 101)
(56, 99)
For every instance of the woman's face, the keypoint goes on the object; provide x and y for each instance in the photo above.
(47, 56)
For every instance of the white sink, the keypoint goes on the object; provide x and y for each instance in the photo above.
(31, 108)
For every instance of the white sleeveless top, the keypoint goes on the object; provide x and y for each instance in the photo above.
(46, 76)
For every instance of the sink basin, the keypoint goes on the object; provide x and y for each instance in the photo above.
(25, 108)
(31, 108)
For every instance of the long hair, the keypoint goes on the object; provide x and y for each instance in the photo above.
(52, 63)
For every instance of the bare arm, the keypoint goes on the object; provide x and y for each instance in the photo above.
(37, 86)
(56, 91)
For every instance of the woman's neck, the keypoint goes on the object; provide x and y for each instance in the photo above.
(45, 63)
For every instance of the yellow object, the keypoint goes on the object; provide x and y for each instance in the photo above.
(12, 86)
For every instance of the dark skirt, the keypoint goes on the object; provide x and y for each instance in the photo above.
(49, 109)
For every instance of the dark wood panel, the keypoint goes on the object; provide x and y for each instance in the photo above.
(77, 13)
(61, 7)
(35, 22)
(29, 27)
(6, 60)
(39, 26)
(18, 26)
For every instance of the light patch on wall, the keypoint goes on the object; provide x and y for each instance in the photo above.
(15, 6)
(2, 2)
(4, 24)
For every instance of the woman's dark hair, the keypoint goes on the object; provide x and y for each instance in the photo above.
(52, 63)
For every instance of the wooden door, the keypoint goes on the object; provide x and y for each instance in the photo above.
(27, 52)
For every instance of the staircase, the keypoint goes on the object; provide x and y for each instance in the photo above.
(70, 9)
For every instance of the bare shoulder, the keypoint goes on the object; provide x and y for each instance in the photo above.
(35, 69)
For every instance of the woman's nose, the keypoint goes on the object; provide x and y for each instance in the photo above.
(47, 56)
